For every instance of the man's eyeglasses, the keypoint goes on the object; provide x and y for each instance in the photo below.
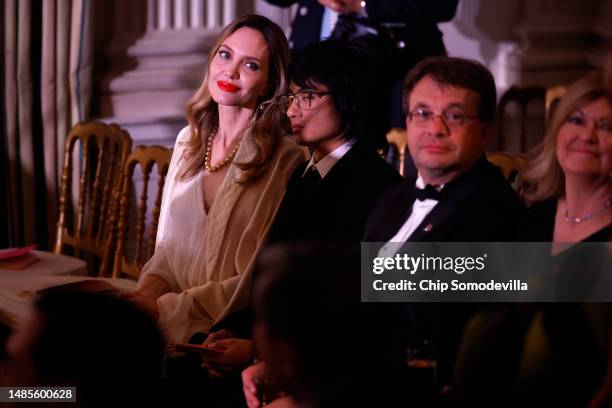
(304, 99)
(452, 117)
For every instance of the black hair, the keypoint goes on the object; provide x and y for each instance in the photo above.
(105, 346)
(307, 294)
(457, 72)
(301, 285)
(353, 77)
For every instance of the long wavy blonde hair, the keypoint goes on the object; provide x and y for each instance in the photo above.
(269, 123)
(543, 175)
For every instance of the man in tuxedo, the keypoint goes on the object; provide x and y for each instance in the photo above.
(458, 195)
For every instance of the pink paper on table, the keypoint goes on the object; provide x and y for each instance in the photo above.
(11, 253)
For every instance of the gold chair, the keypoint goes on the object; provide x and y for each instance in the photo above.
(397, 140)
(510, 165)
(95, 153)
(553, 96)
(146, 157)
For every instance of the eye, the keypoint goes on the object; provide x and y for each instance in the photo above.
(576, 120)
(253, 66)
(454, 116)
(423, 114)
(304, 97)
(224, 54)
(605, 126)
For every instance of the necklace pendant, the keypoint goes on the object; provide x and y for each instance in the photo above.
(577, 220)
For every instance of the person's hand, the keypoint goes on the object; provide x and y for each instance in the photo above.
(255, 386)
(343, 6)
(146, 303)
(237, 353)
(253, 378)
(218, 335)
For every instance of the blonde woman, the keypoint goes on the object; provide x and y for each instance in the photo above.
(227, 176)
(570, 177)
(570, 181)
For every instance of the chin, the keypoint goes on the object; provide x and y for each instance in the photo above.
(583, 171)
(226, 100)
(436, 162)
(301, 141)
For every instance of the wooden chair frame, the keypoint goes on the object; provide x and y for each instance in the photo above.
(93, 230)
(146, 157)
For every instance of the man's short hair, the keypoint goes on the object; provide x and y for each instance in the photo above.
(459, 73)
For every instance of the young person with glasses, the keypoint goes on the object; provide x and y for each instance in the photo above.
(332, 109)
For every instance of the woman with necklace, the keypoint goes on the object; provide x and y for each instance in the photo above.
(227, 176)
(570, 179)
(570, 182)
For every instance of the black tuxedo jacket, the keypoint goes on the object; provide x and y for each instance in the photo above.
(339, 206)
(479, 206)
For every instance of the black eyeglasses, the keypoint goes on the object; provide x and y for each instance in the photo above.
(452, 117)
(304, 99)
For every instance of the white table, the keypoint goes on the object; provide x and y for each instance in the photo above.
(18, 292)
(49, 264)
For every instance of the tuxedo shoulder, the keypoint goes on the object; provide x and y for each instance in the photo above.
(396, 193)
(499, 189)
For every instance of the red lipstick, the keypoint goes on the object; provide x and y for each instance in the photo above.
(226, 86)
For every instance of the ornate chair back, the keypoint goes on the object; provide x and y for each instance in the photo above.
(146, 158)
(93, 161)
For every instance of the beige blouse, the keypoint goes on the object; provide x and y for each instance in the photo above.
(207, 259)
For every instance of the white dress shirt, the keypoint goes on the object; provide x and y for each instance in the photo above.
(325, 165)
(420, 210)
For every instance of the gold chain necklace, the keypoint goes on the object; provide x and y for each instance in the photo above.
(208, 154)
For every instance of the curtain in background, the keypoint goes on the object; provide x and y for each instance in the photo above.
(18, 72)
(46, 75)
(4, 224)
(66, 86)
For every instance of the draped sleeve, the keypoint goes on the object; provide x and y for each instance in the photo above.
(207, 259)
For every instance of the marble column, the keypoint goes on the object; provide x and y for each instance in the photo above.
(156, 59)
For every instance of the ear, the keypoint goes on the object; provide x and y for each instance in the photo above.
(407, 120)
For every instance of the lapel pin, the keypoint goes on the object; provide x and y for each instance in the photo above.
(428, 228)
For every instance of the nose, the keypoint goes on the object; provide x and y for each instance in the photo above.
(293, 111)
(589, 134)
(232, 70)
(438, 127)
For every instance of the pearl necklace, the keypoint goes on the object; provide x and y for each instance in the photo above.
(578, 220)
(208, 154)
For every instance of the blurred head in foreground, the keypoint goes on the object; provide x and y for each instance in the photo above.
(106, 347)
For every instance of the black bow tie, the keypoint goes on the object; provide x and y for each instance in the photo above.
(429, 192)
